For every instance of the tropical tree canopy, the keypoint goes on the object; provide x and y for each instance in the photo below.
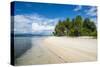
(76, 27)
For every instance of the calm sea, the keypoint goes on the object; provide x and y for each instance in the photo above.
(22, 44)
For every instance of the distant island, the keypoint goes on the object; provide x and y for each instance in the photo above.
(76, 27)
(27, 35)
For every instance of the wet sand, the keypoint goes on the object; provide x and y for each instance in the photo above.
(52, 50)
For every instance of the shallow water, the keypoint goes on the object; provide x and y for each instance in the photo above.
(22, 44)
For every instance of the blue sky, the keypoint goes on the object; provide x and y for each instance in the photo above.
(41, 18)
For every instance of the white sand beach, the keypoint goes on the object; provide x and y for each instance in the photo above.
(53, 49)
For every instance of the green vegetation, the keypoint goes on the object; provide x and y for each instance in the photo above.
(76, 27)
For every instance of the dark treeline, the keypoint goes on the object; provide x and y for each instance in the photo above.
(76, 27)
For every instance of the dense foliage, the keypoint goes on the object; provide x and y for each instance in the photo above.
(76, 27)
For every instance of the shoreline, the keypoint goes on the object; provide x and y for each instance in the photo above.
(51, 50)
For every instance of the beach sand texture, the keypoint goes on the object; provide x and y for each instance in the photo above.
(53, 49)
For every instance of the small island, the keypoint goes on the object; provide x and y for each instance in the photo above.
(77, 26)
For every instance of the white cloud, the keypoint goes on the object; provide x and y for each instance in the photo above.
(34, 23)
(78, 8)
(21, 24)
(36, 27)
(92, 11)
